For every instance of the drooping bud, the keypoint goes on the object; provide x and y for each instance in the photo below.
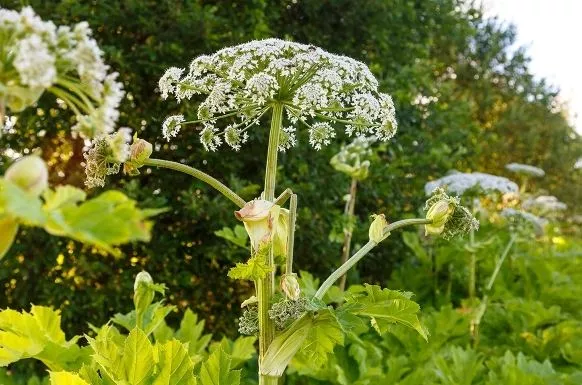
(290, 286)
(260, 218)
(141, 278)
(30, 174)
(448, 217)
(144, 291)
(376, 231)
(140, 151)
(439, 213)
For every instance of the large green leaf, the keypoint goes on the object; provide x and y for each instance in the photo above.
(137, 358)
(191, 332)
(66, 378)
(385, 307)
(37, 335)
(108, 220)
(216, 370)
(175, 366)
(256, 268)
(240, 350)
(325, 333)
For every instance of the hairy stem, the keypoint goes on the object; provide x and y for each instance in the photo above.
(291, 234)
(348, 231)
(266, 286)
(217, 185)
(362, 253)
(472, 266)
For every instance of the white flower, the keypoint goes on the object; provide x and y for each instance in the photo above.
(544, 204)
(523, 217)
(320, 134)
(171, 126)
(34, 63)
(316, 88)
(525, 169)
(168, 81)
(105, 156)
(459, 183)
(287, 138)
(234, 137)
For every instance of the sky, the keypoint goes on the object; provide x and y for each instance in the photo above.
(551, 31)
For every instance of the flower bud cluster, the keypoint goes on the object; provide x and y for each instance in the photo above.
(105, 156)
(318, 89)
(248, 323)
(286, 311)
(353, 159)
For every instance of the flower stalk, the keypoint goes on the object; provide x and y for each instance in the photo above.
(328, 283)
(213, 182)
(348, 231)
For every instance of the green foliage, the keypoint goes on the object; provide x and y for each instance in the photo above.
(254, 269)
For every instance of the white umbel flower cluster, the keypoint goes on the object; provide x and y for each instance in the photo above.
(525, 169)
(460, 183)
(524, 218)
(38, 56)
(318, 90)
(544, 205)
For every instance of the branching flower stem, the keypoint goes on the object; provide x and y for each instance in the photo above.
(348, 231)
(266, 286)
(476, 321)
(216, 184)
(362, 253)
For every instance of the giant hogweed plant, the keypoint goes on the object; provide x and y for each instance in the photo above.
(291, 86)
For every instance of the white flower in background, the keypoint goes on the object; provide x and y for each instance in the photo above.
(578, 164)
(460, 183)
(544, 205)
(525, 169)
(318, 90)
(521, 218)
(64, 61)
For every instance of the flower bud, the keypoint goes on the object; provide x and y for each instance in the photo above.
(290, 286)
(439, 213)
(376, 231)
(140, 152)
(260, 218)
(29, 173)
(142, 277)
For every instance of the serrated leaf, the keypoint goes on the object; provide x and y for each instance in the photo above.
(8, 230)
(175, 366)
(18, 204)
(62, 196)
(137, 358)
(36, 335)
(240, 350)
(385, 307)
(216, 370)
(109, 220)
(190, 332)
(324, 334)
(66, 378)
(256, 268)
(153, 318)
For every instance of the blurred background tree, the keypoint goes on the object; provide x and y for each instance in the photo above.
(465, 99)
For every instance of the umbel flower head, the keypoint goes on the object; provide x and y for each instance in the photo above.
(105, 156)
(318, 90)
(38, 56)
(461, 183)
(449, 218)
(353, 159)
(522, 220)
(525, 169)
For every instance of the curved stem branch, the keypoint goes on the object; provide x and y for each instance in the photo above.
(348, 231)
(362, 252)
(219, 186)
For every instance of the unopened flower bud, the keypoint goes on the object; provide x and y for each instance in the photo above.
(376, 231)
(30, 174)
(142, 277)
(140, 152)
(439, 213)
(290, 286)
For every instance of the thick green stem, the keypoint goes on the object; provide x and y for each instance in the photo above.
(220, 187)
(266, 286)
(348, 231)
(362, 253)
